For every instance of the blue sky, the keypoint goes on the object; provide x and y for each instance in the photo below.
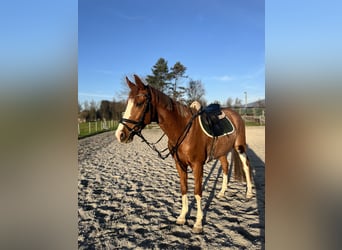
(37, 37)
(221, 42)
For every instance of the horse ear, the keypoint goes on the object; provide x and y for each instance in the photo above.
(129, 83)
(139, 83)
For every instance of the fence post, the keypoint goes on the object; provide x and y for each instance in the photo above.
(89, 128)
(78, 128)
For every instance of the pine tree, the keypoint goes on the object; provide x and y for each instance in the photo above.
(160, 77)
(174, 89)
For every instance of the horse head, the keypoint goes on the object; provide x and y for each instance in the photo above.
(138, 111)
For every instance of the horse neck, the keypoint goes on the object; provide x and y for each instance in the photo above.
(172, 116)
(172, 123)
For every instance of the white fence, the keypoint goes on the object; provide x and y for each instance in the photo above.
(87, 128)
(260, 119)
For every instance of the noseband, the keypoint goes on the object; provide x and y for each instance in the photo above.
(140, 124)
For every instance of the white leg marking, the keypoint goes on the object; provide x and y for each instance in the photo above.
(198, 224)
(249, 193)
(224, 186)
(126, 115)
(181, 218)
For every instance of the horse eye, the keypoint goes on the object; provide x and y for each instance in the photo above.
(139, 104)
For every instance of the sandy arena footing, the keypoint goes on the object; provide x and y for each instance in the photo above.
(129, 198)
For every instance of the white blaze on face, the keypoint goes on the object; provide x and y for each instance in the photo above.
(126, 115)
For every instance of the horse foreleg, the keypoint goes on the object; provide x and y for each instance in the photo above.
(181, 218)
(183, 175)
(198, 175)
(224, 164)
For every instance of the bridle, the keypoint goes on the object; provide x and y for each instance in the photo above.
(140, 124)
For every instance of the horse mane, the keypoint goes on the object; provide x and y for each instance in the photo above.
(169, 104)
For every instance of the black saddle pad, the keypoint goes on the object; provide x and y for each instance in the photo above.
(214, 122)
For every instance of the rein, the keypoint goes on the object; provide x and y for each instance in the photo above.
(174, 149)
(139, 125)
(153, 146)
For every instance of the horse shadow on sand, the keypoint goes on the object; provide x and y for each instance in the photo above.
(258, 173)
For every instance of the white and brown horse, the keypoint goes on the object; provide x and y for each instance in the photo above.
(188, 144)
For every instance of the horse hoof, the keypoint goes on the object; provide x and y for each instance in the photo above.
(249, 196)
(220, 196)
(197, 230)
(180, 221)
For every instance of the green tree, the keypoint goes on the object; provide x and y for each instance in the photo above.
(105, 111)
(174, 89)
(160, 75)
(117, 108)
(92, 111)
(84, 114)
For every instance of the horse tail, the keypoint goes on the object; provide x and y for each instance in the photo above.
(239, 174)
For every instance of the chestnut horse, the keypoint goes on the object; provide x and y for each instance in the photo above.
(188, 144)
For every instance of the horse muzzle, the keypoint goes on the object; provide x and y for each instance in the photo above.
(123, 135)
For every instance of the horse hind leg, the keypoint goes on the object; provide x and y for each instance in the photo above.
(183, 175)
(246, 169)
(224, 165)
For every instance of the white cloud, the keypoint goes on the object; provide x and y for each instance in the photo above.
(224, 78)
(255, 74)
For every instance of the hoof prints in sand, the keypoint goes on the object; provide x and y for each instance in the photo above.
(129, 198)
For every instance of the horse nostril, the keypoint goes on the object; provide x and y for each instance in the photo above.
(122, 136)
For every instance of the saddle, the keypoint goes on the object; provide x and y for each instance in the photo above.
(214, 121)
